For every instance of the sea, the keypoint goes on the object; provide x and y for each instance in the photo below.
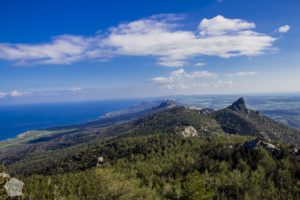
(16, 119)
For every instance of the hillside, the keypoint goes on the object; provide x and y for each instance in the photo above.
(166, 117)
(168, 151)
(238, 119)
(162, 166)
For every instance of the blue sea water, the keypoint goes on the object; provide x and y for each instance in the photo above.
(15, 119)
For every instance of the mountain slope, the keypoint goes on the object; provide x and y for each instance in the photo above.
(166, 118)
(167, 167)
(43, 141)
(238, 119)
(165, 152)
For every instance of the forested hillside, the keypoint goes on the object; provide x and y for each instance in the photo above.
(162, 166)
(169, 152)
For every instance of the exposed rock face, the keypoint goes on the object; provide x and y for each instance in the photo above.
(14, 187)
(189, 131)
(295, 151)
(206, 111)
(168, 104)
(239, 106)
(10, 188)
(193, 107)
(4, 175)
(100, 160)
(238, 119)
(258, 142)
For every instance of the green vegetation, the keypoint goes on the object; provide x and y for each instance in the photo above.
(100, 184)
(147, 158)
(29, 136)
(166, 122)
(252, 123)
(162, 166)
(158, 120)
(3, 180)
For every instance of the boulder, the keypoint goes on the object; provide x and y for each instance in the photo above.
(100, 160)
(14, 187)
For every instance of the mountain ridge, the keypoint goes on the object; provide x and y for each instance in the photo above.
(166, 117)
(169, 145)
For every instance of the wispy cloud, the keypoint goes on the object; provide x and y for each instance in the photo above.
(161, 36)
(192, 81)
(50, 92)
(180, 79)
(284, 29)
(77, 89)
(199, 64)
(242, 74)
(14, 93)
(63, 49)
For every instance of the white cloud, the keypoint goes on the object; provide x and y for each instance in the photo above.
(42, 93)
(179, 79)
(200, 64)
(64, 49)
(174, 46)
(242, 74)
(169, 62)
(160, 36)
(220, 25)
(284, 29)
(16, 93)
(77, 89)
(13, 93)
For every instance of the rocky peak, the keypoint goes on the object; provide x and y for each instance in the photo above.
(167, 104)
(239, 106)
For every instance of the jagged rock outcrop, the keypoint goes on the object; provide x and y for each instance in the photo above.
(100, 161)
(238, 119)
(188, 131)
(168, 104)
(10, 188)
(259, 142)
(239, 106)
(206, 110)
(192, 107)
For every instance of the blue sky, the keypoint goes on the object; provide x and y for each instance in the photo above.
(84, 50)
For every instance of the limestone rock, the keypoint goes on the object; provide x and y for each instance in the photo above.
(188, 131)
(100, 160)
(258, 142)
(14, 187)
